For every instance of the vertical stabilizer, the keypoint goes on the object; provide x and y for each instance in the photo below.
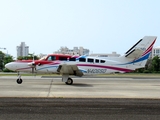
(141, 51)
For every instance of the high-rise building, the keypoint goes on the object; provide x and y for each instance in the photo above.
(74, 51)
(22, 50)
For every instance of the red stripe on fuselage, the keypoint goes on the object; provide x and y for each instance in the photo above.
(108, 67)
(38, 62)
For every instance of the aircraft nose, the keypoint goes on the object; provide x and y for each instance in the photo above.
(8, 66)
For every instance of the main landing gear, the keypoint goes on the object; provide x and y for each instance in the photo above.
(69, 81)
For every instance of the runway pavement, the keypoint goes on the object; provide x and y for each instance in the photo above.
(81, 88)
(78, 109)
(88, 98)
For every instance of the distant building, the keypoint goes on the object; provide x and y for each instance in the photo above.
(22, 50)
(74, 51)
(113, 54)
(155, 52)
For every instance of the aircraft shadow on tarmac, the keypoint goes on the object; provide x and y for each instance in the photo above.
(81, 85)
(74, 84)
(56, 83)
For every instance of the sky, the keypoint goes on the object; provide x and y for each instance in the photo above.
(102, 26)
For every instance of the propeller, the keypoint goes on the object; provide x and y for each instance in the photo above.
(33, 65)
(33, 68)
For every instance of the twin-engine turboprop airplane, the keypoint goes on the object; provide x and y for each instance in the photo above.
(136, 57)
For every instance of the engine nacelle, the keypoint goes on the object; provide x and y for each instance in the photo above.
(32, 64)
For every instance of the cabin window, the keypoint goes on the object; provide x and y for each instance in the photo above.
(63, 58)
(90, 60)
(102, 61)
(97, 60)
(82, 59)
(72, 59)
(51, 58)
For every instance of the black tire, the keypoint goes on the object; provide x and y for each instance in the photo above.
(19, 80)
(69, 81)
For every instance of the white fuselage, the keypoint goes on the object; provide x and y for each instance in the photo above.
(89, 66)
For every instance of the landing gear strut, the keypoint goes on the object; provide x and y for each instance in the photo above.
(19, 80)
(69, 81)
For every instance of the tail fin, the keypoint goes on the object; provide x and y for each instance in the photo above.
(140, 52)
(141, 48)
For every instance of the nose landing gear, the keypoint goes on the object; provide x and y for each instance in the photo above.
(19, 80)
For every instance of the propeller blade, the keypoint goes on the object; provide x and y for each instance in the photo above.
(32, 70)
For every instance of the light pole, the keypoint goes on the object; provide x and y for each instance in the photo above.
(4, 49)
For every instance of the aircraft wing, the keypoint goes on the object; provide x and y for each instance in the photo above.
(69, 70)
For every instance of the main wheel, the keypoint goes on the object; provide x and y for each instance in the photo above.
(19, 80)
(69, 81)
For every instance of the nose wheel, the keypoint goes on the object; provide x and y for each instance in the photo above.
(19, 80)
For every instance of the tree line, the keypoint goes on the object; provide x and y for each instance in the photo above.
(152, 66)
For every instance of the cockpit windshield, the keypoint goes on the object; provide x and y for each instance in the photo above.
(51, 58)
(43, 58)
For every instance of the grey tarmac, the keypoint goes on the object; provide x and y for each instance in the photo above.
(79, 109)
(88, 98)
(81, 88)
